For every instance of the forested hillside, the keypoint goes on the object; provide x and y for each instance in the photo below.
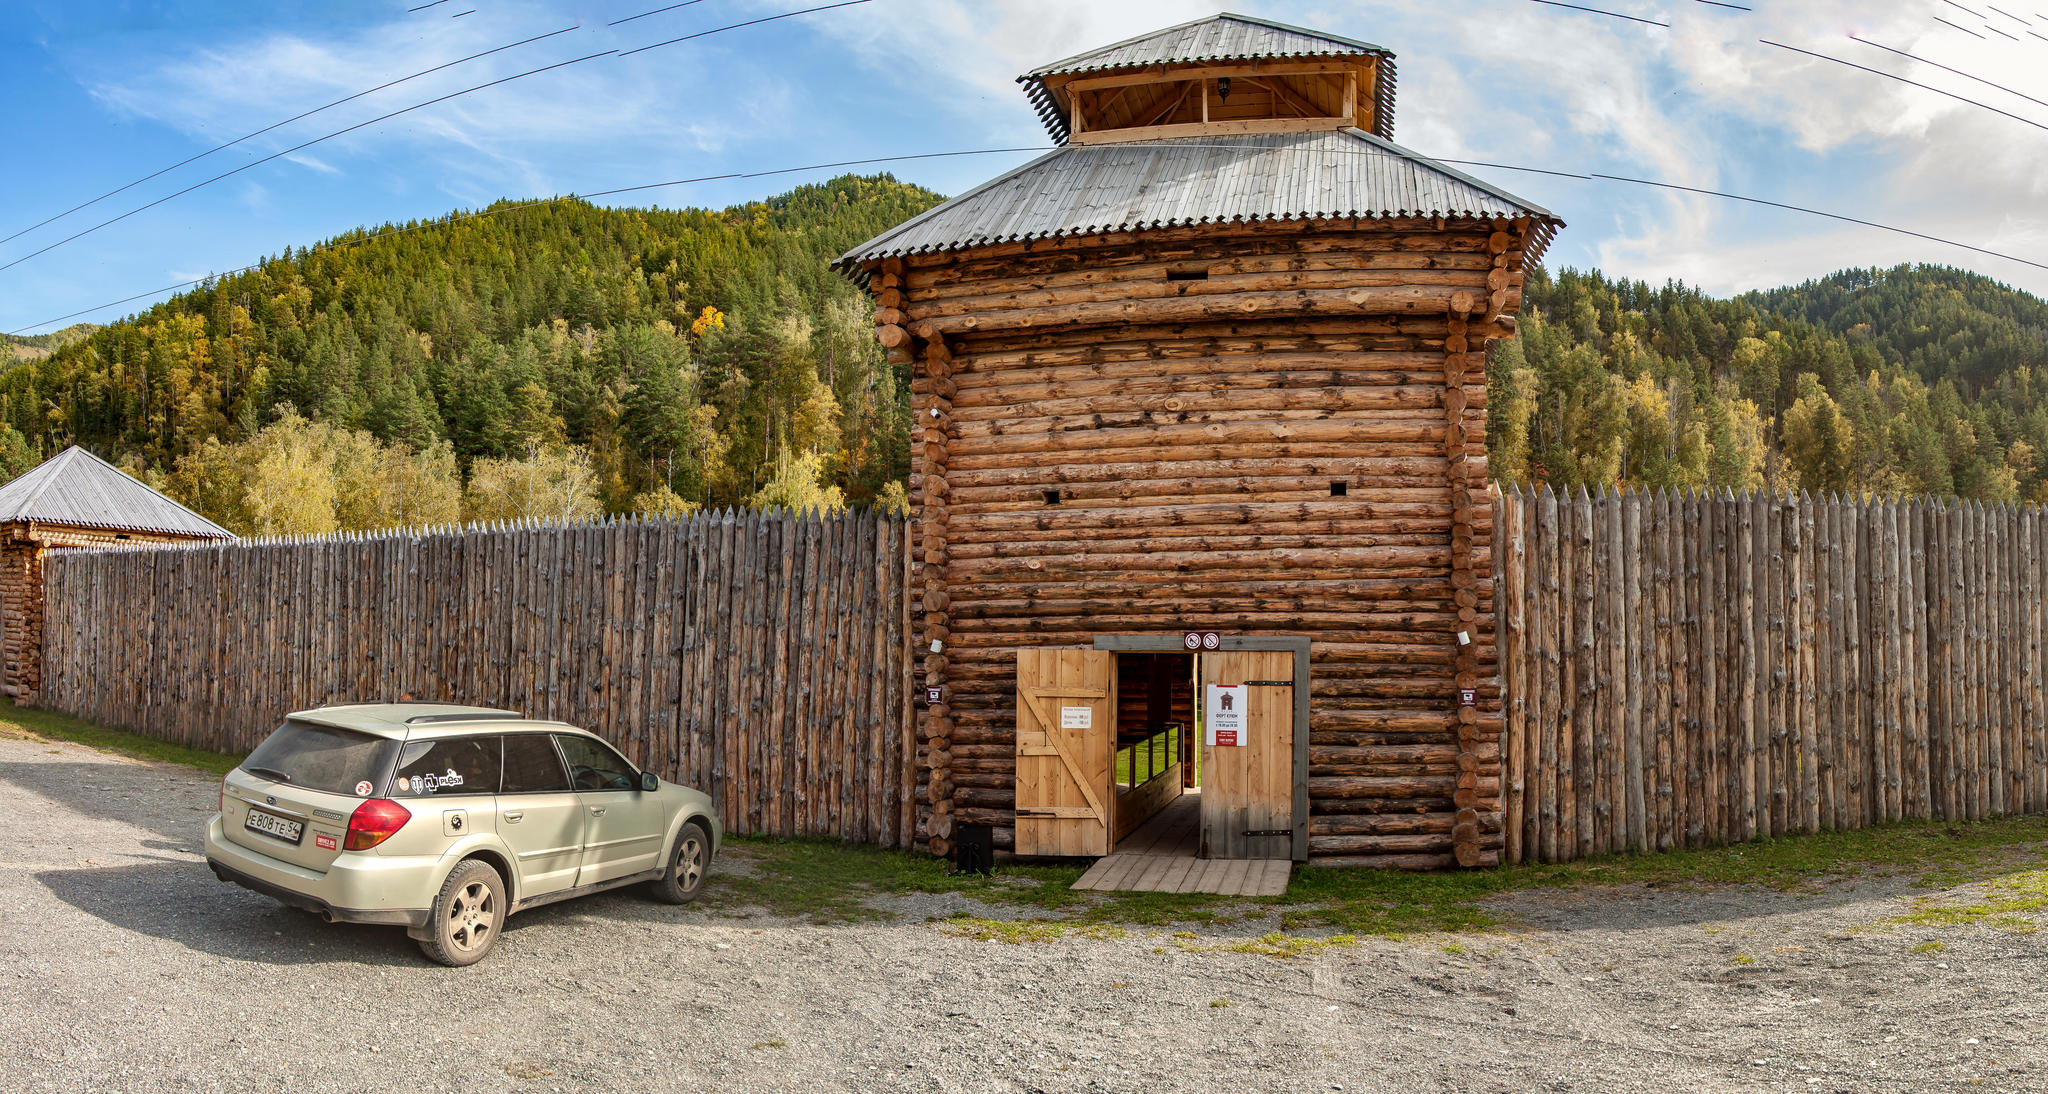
(31, 347)
(559, 358)
(1912, 380)
(564, 359)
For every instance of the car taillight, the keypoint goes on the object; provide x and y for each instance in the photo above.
(223, 810)
(374, 822)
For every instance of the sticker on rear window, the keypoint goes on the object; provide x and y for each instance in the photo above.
(427, 784)
(363, 788)
(325, 843)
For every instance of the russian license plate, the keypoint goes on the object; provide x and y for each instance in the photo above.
(270, 824)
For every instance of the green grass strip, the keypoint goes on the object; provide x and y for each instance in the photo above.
(826, 881)
(28, 722)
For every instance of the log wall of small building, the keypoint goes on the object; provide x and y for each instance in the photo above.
(1192, 430)
(22, 547)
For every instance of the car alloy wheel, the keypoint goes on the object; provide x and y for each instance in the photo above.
(474, 918)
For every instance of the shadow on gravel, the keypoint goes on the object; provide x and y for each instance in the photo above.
(129, 793)
(181, 901)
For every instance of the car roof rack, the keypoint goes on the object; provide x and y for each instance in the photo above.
(470, 716)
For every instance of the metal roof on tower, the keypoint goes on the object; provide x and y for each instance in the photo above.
(77, 488)
(1225, 37)
(1093, 189)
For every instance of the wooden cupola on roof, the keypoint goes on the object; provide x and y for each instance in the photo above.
(1226, 75)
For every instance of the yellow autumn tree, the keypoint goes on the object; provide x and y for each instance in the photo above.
(797, 484)
(298, 476)
(556, 483)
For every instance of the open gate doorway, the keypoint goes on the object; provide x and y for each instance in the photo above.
(1141, 747)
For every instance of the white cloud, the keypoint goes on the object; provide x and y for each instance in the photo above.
(502, 139)
(1704, 103)
(313, 163)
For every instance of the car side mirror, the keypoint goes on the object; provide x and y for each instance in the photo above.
(648, 782)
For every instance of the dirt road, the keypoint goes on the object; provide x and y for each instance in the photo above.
(125, 966)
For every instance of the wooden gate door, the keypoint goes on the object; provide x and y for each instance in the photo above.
(1066, 741)
(1248, 787)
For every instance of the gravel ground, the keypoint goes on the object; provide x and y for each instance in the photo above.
(125, 966)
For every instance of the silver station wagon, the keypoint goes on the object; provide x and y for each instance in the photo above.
(447, 819)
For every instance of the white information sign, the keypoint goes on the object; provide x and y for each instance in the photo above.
(1077, 717)
(1223, 715)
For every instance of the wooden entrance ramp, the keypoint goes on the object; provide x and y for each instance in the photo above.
(1160, 858)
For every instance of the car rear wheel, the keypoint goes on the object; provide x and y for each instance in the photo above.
(467, 915)
(687, 867)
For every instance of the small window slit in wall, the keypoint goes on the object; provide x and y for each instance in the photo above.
(1187, 275)
(1340, 489)
(1052, 497)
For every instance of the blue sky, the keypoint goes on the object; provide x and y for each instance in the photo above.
(101, 93)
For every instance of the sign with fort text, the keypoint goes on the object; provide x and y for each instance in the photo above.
(1223, 714)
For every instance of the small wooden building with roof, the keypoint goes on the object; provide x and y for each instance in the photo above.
(1200, 452)
(72, 499)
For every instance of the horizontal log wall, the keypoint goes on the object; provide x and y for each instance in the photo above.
(1138, 434)
(1685, 670)
(760, 657)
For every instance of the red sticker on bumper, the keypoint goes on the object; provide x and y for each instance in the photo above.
(325, 843)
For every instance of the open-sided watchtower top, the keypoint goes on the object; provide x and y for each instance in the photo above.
(1227, 121)
(1229, 74)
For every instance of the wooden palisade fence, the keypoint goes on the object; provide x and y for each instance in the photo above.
(759, 656)
(1679, 670)
(1688, 669)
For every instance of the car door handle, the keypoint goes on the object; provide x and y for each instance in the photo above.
(514, 818)
(597, 810)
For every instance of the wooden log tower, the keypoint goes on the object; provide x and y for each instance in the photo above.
(1215, 366)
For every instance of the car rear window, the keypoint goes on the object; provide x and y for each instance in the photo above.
(452, 765)
(532, 765)
(321, 757)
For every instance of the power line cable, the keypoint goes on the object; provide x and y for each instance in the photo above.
(1581, 176)
(1945, 68)
(748, 23)
(287, 121)
(1654, 183)
(656, 11)
(1956, 26)
(416, 106)
(1823, 213)
(457, 218)
(1600, 11)
(1890, 76)
(301, 147)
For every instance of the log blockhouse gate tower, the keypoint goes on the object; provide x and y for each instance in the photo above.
(1215, 366)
